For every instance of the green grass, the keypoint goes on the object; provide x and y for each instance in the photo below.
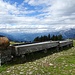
(60, 63)
(73, 42)
(13, 42)
(3, 68)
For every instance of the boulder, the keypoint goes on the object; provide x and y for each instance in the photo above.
(4, 43)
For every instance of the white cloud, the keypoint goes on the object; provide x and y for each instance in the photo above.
(54, 15)
(63, 7)
(38, 2)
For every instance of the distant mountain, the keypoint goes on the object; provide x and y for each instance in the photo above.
(70, 33)
(15, 36)
(1, 36)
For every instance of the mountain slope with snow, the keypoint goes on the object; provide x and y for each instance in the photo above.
(69, 33)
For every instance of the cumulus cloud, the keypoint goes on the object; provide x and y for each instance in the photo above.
(63, 7)
(47, 15)
(38, 2)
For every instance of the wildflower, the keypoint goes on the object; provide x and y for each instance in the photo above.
(21, 72)
(8, 71)
(30, 72)
(50, 64)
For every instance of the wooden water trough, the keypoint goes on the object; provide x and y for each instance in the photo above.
(23, 49)
(66, 43)
(20, 50)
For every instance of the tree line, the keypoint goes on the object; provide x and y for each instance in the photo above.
(48, 37)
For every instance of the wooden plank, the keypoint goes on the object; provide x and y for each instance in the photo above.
(65, 43)
(23, 49)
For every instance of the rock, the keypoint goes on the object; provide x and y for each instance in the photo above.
(4, 43)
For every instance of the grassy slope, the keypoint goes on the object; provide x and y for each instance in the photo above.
(61, 63)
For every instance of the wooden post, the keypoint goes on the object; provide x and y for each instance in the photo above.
(5, 56)
(0, 59)
(68, 46)
(45, 51)
(61, 48)
(72, 44)
(57, 48)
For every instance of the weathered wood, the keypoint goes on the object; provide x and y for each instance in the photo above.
(65, 43)
(23, 49)
(5, 56)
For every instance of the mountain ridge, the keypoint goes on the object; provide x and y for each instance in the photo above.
(14, 36)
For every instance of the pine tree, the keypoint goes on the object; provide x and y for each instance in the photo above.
(60, 37)
(36, 39)
(49, 37)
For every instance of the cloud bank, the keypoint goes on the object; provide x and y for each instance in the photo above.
(35, 16)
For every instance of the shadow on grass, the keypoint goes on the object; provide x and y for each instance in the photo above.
(33, 56)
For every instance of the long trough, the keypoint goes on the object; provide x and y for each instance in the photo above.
(20, 50)
(23, 49)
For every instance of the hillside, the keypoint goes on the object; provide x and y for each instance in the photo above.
(61, 63)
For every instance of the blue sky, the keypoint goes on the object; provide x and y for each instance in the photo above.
(35, 16)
